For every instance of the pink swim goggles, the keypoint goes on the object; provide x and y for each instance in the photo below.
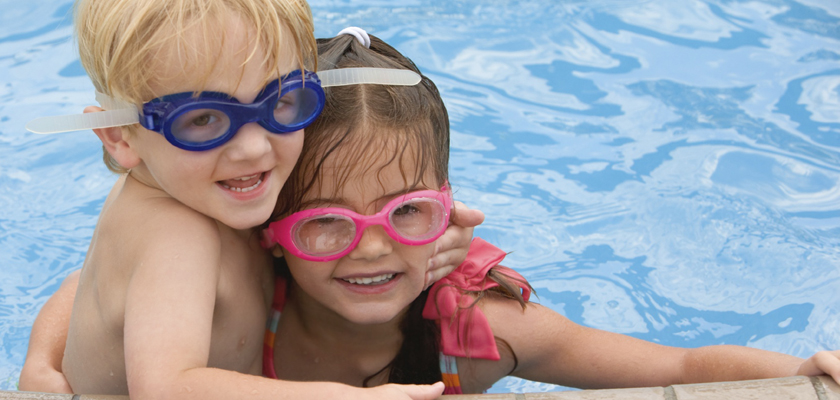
(326, 234)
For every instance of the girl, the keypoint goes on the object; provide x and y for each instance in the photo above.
(353, 225)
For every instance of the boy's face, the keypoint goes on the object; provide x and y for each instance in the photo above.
(380, 277)
(238, 182)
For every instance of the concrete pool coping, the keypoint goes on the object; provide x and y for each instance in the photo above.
(791, 388)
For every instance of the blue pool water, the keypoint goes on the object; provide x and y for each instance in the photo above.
(668, 170)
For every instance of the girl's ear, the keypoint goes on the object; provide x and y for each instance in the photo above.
(115, 143)
(277, 251)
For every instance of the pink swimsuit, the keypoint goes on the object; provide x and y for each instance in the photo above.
(461, 336)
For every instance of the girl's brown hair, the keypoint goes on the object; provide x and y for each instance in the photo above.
(366, 121)
(408, 124)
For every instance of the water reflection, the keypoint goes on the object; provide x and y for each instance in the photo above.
(663, 169)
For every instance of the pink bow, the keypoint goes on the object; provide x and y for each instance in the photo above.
(470, 335)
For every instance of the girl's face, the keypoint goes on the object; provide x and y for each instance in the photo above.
(378, 279)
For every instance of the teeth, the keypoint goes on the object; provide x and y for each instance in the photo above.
(371, 280)
(245, 178)
(245, 189)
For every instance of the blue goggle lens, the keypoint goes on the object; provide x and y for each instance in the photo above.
(296, 107)
(200, 126)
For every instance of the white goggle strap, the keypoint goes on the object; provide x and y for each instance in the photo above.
(120, 113)
(369, 76)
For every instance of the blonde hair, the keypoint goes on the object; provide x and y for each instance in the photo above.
(120, 39)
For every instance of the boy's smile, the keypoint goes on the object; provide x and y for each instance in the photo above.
(244, 184)
(238, 182)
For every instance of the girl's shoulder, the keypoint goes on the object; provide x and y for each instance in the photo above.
(525, 339)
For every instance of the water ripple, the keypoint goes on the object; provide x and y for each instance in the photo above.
(670, 170)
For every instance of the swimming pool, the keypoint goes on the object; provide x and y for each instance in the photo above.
(668, 170)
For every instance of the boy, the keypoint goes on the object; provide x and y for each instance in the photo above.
(175, 287)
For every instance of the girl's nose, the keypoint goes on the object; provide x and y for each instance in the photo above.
(374, 243)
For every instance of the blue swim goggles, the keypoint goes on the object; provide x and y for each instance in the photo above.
(210, 119)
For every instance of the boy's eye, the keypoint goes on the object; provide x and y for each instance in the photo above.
(204, 120)
(285, 101)
(200, 125)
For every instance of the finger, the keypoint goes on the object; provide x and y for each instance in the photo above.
(450, 251)
(449, 258)
(456, 239)
(437, 274)
(423, 392)
(465, 216)
(827, 362)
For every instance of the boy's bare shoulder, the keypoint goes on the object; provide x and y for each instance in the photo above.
(149, 213)
(140, 225)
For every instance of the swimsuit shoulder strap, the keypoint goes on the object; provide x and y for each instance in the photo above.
(449, 374)
(277, 305)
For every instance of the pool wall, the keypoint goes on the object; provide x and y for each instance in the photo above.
(792, 388)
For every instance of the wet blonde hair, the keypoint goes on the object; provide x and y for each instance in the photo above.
(120, 39)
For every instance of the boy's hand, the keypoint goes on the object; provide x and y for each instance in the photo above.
(451, 248)
(413, 392)
(822, 363)
(41, 371)
(43, 377)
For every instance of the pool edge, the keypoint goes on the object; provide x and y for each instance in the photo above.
(791, 388)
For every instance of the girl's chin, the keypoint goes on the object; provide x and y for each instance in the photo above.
(375, 315)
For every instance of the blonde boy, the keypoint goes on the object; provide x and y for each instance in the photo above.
(174, 291)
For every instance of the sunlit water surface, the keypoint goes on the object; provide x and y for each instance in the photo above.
(667, 170)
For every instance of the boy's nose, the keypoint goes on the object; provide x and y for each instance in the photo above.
(251, 141)
(374, 243)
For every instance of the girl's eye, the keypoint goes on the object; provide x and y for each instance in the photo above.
(406, 209)
(325, 220)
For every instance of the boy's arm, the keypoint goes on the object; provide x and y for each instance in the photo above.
(169, 310)
(551, 348)
(42, 369)
(451, 248)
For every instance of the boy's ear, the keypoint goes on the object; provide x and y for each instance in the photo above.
(114, 141)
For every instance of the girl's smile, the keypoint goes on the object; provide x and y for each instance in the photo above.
(380, 283)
